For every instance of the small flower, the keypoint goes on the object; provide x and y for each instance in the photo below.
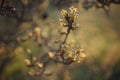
(81, 49)
(64, 13)
(75, 57)
(75, 16)
(83, 55)
(70, 54)
(73, 9)
(64, 24)
(61, 19)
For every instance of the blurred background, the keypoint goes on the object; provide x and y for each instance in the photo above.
(99, 35)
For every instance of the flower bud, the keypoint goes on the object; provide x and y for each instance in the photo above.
(34, 59)
(30, 35)
(28, 63)
(51, 55)
(32, 72)
(39, 65)
(29, 50)
(37, 32)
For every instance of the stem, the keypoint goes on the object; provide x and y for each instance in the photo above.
(65, 39)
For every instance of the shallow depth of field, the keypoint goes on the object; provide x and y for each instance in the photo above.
(98, 34)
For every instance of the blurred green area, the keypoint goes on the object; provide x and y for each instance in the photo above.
(98, 34)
